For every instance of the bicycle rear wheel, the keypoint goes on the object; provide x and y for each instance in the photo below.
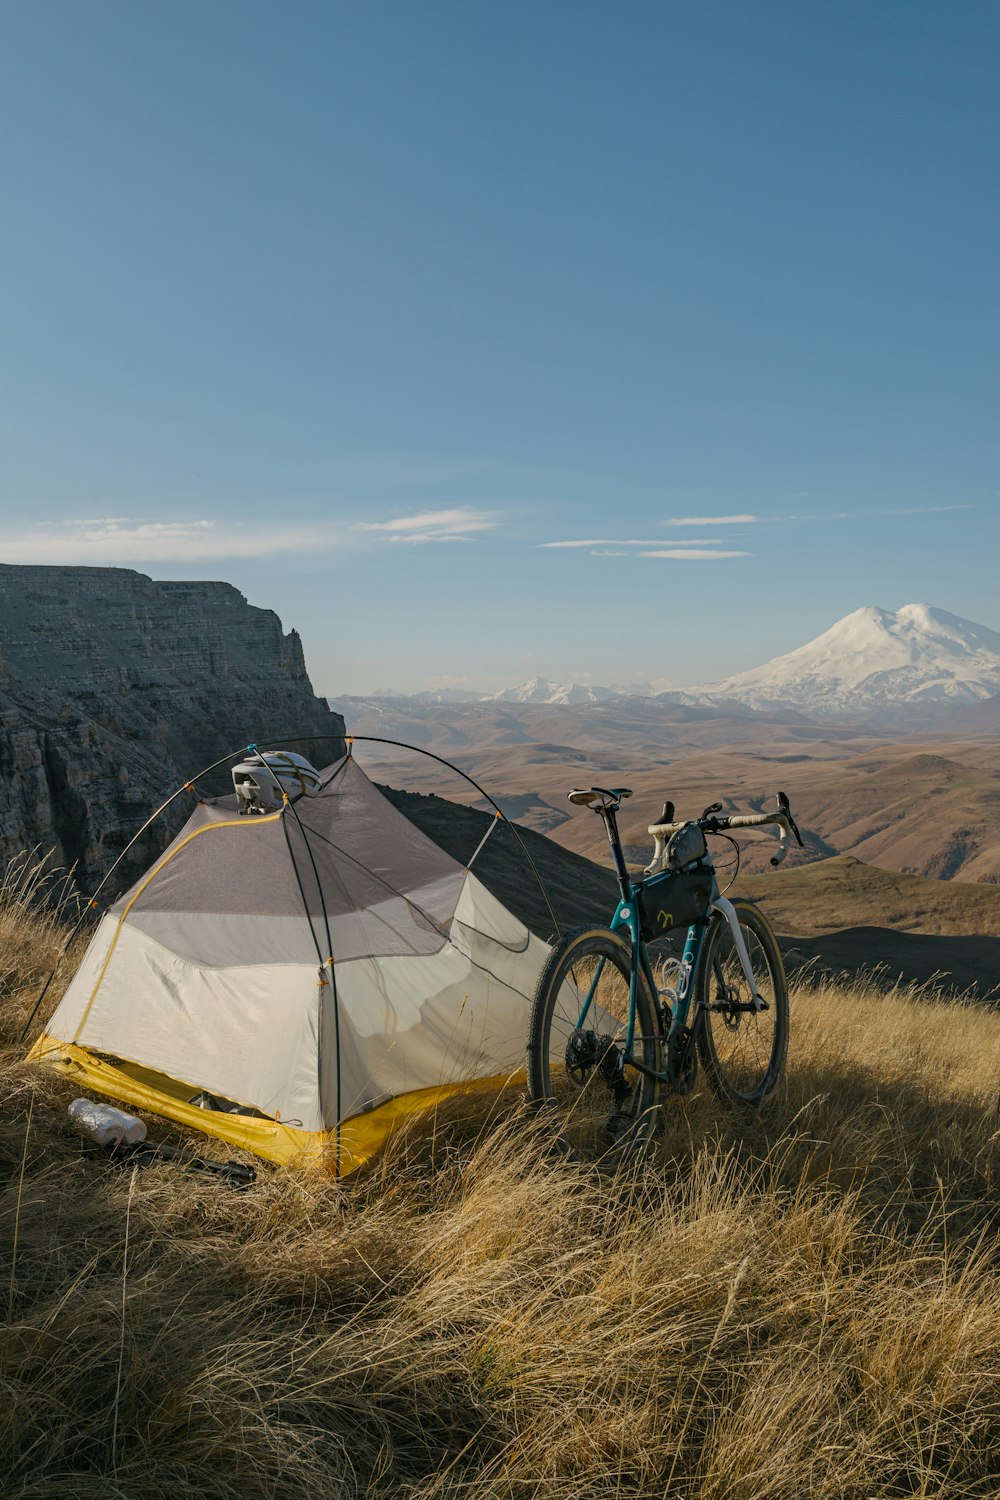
(743, 1048)
(580, 1077)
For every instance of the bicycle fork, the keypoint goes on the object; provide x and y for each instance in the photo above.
(679, 994)
(728, 910)
(680, 1039)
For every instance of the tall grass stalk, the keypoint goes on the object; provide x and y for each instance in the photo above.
(17, 1213)
(124, 1323)
(38, 904)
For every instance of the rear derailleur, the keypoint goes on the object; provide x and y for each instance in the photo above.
(587, 1050)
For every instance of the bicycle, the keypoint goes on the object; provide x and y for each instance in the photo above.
(604, 1037)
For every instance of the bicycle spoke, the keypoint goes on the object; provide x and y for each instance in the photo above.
(584, 1075)
(743, 1046)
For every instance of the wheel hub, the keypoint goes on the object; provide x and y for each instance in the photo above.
(733, 1010)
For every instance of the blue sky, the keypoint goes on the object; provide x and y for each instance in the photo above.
(364, 306)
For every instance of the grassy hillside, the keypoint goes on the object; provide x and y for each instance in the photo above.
(850, 915)
(563, 889)
(846, 892)
(804, 1302)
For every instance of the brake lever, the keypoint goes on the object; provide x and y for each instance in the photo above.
(785, 807)
(714, 808)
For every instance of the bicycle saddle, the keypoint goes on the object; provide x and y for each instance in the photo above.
(598, 793)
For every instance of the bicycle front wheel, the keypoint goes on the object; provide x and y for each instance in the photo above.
(582, 1077)
(743, 1047)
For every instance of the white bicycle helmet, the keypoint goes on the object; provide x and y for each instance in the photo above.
(264, 779)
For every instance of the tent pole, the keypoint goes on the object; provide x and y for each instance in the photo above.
(374, 739)
(91, 903)
(290, 806)
(253, 748)
(482, 841)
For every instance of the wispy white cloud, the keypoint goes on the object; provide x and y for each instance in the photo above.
(602, 542)
(924, 510)
(741, 520)
(693, 554)
(122, 540)
(745, 518)
(619, 544)
(459, 524)
(858, 515)
(115, 540)
(605, 541)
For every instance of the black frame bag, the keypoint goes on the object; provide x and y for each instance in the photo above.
(674, 899)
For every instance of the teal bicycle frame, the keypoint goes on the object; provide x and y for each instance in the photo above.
(691, 987)
(627, 916)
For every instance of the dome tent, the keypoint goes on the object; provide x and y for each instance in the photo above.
(297, 982)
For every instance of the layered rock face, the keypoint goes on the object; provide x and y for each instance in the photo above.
(115, 689)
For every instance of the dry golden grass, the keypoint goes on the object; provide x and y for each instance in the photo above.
(36, 908)
(802, 1302)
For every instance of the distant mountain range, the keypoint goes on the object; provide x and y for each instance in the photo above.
(535, 690)
(912, 665)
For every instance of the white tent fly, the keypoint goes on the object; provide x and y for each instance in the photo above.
(296, 981)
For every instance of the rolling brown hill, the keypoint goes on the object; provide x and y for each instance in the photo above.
(847, 915)
(923, 805)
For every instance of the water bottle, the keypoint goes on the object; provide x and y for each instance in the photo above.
(105, 1124)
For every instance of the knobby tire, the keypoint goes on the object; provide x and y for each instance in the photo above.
(743, 1051)
(597, 1111)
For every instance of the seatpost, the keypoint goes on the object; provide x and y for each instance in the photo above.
(608, 813)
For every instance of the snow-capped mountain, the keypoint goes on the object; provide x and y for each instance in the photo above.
(916, 664)
(430, 695)
(875, 660)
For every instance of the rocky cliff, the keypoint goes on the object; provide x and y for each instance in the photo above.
(115, 689)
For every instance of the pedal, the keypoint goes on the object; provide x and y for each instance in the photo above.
(682, 1060)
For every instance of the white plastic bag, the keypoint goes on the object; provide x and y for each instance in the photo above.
(105, 1124)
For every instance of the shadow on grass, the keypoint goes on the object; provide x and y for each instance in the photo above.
(165, 1336)
(968, 965)
(902, 1155)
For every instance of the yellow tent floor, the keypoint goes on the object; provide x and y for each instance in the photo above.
(338, 1151)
